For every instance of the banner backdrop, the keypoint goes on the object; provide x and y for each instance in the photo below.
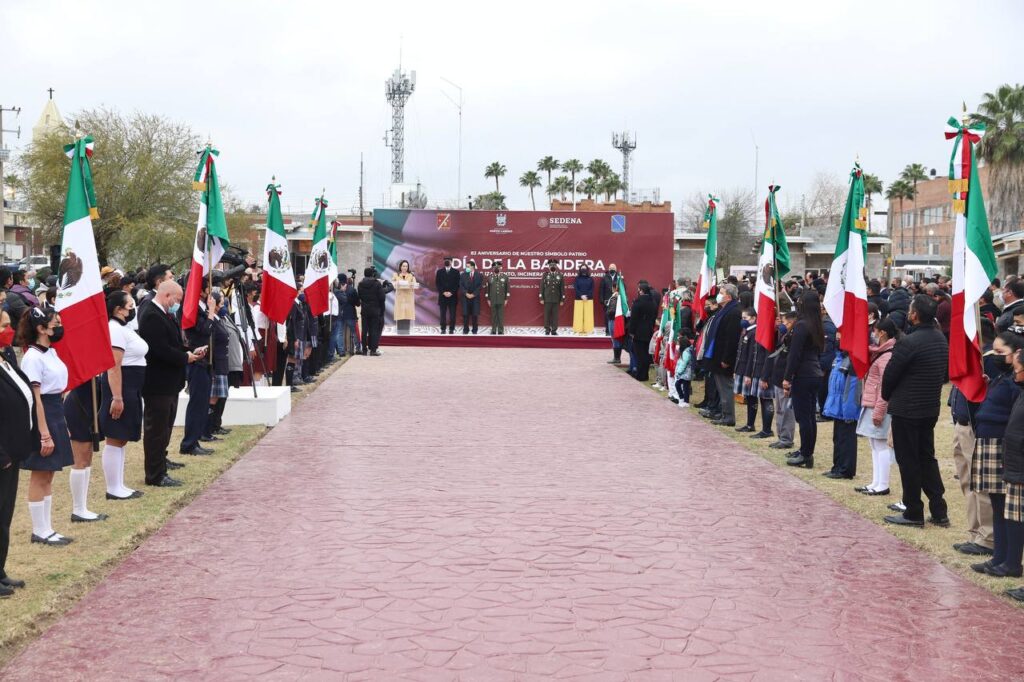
(640, 244)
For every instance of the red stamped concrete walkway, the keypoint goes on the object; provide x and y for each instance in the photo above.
(440, 514)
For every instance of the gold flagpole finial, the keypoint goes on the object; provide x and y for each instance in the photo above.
(78, 131)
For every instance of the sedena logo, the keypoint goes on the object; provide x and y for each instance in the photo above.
(558, 221)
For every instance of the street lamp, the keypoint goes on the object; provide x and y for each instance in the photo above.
(931, 233)
(458, 105)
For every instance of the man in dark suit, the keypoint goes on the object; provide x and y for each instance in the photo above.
(609, 289)
(371, 295)
(641, 327)
(446, 281)
(471, 283)
(725, 339)
(166, 361)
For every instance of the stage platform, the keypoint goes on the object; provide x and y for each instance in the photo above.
(484, 339)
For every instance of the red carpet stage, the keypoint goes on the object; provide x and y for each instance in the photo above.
(486, 340)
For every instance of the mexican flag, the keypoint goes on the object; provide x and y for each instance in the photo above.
(85, 348)
(707, 278)
(846, 297)
(332, 248)
(672, 353)
(773, 265)
(974, 261)
(211, 234)
(318, 267)
(621, 312)
(278, 293)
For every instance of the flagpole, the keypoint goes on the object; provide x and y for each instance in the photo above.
(775, 258)
(209, 256)
(964, 119)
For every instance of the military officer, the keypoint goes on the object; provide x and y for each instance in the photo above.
(552, 295)
(497, 294)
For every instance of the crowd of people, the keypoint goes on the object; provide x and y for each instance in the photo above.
(807, 379)
(45, 428)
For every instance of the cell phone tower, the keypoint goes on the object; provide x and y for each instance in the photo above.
(625, 143)
(398, 89)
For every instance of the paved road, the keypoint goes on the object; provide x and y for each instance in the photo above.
(524, 515)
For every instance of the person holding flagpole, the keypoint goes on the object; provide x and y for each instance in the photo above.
(803, 374)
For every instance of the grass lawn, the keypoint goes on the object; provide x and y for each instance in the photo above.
(936, 541)
(57, 577)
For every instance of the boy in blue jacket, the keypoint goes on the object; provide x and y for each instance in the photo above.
(842, 405)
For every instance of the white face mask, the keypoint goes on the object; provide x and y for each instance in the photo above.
(720, 299)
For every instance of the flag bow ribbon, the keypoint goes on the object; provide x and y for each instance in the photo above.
(273, 188)
(82, 149)
(769, 203)
(203, 169)
(960, 159)
(712, 205)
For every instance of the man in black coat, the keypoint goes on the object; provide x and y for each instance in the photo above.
(166, 361)
(471, 284)
(1013, 301)
(912, 383)
(372, 296)
(446, 281)
(641, 327)
(725, 340)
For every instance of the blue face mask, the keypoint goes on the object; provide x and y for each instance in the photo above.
(744, 323)
(302, 298)
(173, 310)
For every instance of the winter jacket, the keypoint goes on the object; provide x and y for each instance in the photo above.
(899, 307)
(828, 355)
(991, 416)
(843, 401)
(745, 352)
(779, 359)
(881, 304)
(913, 379)
(803, 360)
(942, 315)
(1013, 443)
(1003, 322)
(642, 317)
(685, 368)
(872, 396)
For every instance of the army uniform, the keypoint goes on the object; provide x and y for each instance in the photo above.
(552, 294)
(497, 293)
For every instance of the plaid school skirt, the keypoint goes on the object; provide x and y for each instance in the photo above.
(1014, 509)
(987, 466)
(219, 387)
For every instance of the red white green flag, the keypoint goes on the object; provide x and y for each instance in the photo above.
(332, 248)
(211, 234)
(318, 267)
(85, 348)
(846, 297)
(707, 277)
(278, 292)
(773, 265)
(974, 260)
(621, 312)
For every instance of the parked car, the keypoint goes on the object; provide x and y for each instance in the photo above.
(35, 262)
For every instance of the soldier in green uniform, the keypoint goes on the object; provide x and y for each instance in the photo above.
(552, 295)
(497, 294)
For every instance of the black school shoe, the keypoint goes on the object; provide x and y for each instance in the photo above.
(903, 521)
(972, 549)
(763, 434)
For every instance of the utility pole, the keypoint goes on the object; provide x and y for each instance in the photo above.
(360, 188)
(5, 154)
(458, 105)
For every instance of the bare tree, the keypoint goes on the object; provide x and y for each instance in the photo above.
(826, 199)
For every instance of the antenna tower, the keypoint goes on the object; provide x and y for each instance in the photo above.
(397, 90)
(625, 143)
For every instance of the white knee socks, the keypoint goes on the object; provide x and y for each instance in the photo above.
(80, 492)
(37, 510)
(113, 471)
(881, 462)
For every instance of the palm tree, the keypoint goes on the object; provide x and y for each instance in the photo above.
(898, 191)
(572, 167)
(1002, 149)
(495, 170)
(599, 169)
(564, 184)
(589, 186)
(549, 165)
(872, 186)
(530, 179)
(611, 185)
(913, 173)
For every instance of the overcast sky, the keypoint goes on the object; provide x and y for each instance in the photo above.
(296, 89)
